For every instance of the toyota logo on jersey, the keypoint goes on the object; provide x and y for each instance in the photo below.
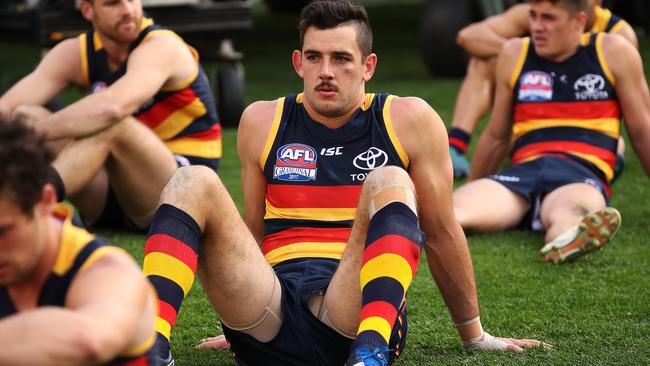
(372, 158)
(295, 162)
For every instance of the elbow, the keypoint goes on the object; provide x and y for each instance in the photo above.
(111, 112)
(462, 38)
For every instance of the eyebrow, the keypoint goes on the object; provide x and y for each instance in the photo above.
(336, 53)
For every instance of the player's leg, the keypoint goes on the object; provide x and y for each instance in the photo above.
(365, 295)
(197, 218)
(577, 222)
(473, 101)
(486, 205)
(137, 161)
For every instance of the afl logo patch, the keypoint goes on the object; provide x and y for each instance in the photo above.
(98, 86)
(295, 162)
(535, 86)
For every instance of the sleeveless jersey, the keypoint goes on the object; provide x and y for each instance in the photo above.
(184, 117)
(567, 109)
(77, 252)
(314, 176)
(606, 21)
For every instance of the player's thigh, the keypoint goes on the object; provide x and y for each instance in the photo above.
(571, 198)
(486, 205)
(139, 166)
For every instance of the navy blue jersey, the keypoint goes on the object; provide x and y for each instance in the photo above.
(315, 174)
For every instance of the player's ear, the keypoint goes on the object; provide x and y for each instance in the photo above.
(48, 199)
(86, 9)
(370, 64)
(296, 60)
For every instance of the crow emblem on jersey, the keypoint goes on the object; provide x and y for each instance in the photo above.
(535, 86)
(295, 162)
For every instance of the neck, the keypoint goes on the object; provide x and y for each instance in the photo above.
(334, 121)
(25, 293)
(117, 52)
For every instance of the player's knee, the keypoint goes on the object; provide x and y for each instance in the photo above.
(195, 183)
(390, 184)
(388, 176)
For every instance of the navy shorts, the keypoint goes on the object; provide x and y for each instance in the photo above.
(302, 339)
(113, 216)
(536, 178)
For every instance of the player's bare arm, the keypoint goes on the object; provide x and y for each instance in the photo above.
(494, 142)
(254, 128)
(59, 68)
(158, 62)
(109, 309)
(631, 87)
(627, 32)
(485, 38)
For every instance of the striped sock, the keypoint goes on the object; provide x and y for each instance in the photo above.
(390, 259)
(459, 139)
(170, 259)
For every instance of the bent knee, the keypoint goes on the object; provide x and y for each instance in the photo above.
(388, 176)
(193, 180)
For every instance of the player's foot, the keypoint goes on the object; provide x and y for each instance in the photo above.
(364, 356)
(167, 361)
(595, 230)
(460, 163)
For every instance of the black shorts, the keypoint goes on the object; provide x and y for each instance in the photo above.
(302, 338)
(113, 217)
(536, 178)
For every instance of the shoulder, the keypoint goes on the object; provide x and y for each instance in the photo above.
(255, 124)
(619, 54)
(415, 122)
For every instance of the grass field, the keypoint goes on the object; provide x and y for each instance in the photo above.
(595, 311)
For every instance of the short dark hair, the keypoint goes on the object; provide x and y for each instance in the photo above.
(24, 164)
(328, 14)
(573, 6)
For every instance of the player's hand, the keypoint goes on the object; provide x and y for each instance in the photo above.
(218, 342)
(487, 342)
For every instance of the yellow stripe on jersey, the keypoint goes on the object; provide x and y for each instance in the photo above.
(97, 42)
(376, 268)
(367, 102)
(601, 59)
(320, 214)
(305, 250)
(601, 18)
(274, 131)
(607, 126)
(520, 61)
(391, 132)
(73, 240)
(377, 324)
(180, 119)
(196, 147)
(163, 327)
(165, 265)
(83, 49)
(618, 26)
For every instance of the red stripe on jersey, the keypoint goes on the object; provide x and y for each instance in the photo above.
(167, 312)
(302, 235)
(564, 146)
(461, 145)
(164, 243)
(140, 361)
(395, 244)
(295, 196)
(381, 309)
(567, 110)
(214, 133)
(165, 107)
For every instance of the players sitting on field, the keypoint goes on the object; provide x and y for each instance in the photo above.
(560, 95)
(482, 41)
(151, 109)
(336, 189)
(66, 296)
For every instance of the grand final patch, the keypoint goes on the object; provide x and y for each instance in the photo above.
(295, 162)
(535, 86)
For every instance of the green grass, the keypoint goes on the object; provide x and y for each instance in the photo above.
(595, 311)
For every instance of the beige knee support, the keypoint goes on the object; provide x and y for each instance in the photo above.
(392, 193)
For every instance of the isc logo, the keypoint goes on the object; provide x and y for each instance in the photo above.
(297, 154)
